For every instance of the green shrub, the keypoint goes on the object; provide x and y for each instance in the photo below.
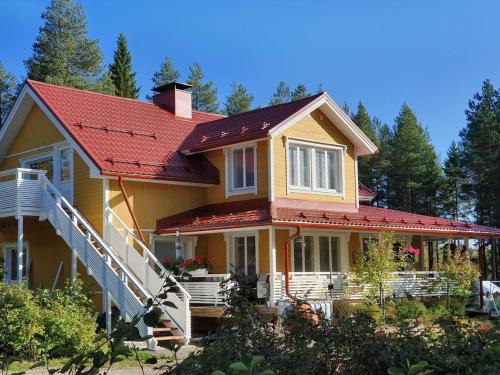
(407, 309)
(19, 320)
(68, 321)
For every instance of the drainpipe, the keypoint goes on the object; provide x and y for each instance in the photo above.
(287, 248)
(130, 210)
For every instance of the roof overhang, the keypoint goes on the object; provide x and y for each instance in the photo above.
(15, 120)
(363, 144)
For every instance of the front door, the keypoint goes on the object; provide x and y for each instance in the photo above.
(10, 262)
(59, 167)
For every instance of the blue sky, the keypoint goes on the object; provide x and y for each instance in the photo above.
(433, 54)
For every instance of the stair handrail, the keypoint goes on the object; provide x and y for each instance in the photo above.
(148, 252)
(46, 183)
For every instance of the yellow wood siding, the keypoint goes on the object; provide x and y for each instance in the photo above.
(281, 237)
(353, 248)
(216, 252)
(88, 193)
(313, 128)
(264, 251)
(153, 201)
(217, 194)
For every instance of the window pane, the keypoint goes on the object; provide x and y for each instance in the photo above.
(320, 169)
(332, 174)
(294, 178)
(65, 171)
(44, 164)
(335, 254)
(305, 167)
(164, 249)
(297, 254)
(237, 169)
(324, 254)
(249, 166)
(251, 256)
(308, 254)
(239, 255)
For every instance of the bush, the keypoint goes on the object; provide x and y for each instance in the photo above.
(409, 309)
(69, 325)
(20, 321)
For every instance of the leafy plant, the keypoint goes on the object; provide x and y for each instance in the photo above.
(420, 368)
(250, 365)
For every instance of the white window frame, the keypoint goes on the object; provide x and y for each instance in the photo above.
(232, 250)
(330, 251)
(55, 155)
(188, 245)
(311, 148)
(9, 246)
(343, 260)
(228, 152)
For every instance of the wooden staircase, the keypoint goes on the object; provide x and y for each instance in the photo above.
(165, 332)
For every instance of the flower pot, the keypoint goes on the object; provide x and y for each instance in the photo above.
(198, 272)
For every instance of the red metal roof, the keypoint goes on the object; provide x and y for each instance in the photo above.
(259, 212)
(364, 192)
(127, 136)
(243, 127)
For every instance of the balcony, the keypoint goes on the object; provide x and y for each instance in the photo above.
(20, 192)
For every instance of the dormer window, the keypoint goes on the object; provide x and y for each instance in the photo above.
(241, 166)
(315, 167)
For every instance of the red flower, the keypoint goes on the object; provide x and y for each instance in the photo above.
(197, 259)
(165, 260)
(413, 250)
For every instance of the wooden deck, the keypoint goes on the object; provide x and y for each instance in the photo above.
(267, 313)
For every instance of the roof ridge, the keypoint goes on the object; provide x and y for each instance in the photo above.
(271, 106)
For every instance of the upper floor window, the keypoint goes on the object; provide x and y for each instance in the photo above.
(241, 168)
(315, 167)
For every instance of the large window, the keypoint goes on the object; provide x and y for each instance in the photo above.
(165, 247)
(329, 256)
(245, 254)
(303, 254)
(316, 168)
(241, 167)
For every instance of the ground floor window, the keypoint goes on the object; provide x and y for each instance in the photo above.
(164, 247)
(10, 261)
(316, 253)
(244, 254)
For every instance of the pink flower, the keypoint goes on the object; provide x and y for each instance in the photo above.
(413, 250)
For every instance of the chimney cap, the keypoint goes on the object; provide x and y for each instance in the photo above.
(172, 85)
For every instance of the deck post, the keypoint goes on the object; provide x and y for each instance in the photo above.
(73, 266)
(20, 247)
(106, 303)
(272, 264)
(493, 260)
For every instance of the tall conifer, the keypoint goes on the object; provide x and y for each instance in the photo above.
(239, 100)
(204, 94)
(121, 70)
(8, 85)
(281, 95)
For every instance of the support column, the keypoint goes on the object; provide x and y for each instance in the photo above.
(106, 303)
(493, 260)
(430, 247)
(20, 247)
(272, 264)
(74, 263)
(481, 274)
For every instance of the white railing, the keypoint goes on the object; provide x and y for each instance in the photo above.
(148, 270)
(109, 272)
(20, 193)
(344, 286)
(206, 289)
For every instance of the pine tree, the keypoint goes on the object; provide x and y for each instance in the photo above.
(414, 172)
(8, 88)
(383, 135)
(166, 74)
(481, 144)
(281, 95)
(300, 92)
(453, 195)
(320, 88)
(204, 95)
(366, 164)
(239, 100)
(121, 70)
(62, 52)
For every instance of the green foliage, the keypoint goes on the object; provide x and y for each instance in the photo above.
(414, 172)
(204, 94)
(62, 52)
(68, 321)
(8, 86)
(300, 92)
(481, 146)
(166, 74)
(453, 192)
(20, 321)
(251, 365)
(239, 100)
(121, 70)
(409, 309)
(282, 94)
(459, 272)
(420, 368)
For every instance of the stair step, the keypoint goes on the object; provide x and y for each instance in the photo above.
(164, 329)
(165, 321)
(169, 338)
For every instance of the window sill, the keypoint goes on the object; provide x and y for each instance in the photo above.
(315, 192)
(241, 192)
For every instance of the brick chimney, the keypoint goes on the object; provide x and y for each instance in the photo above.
(175, 97)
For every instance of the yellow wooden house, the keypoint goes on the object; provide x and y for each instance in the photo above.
(110, 188)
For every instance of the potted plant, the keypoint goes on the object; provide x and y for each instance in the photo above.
(196, 267)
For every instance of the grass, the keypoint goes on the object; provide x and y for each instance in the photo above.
(125, 361)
